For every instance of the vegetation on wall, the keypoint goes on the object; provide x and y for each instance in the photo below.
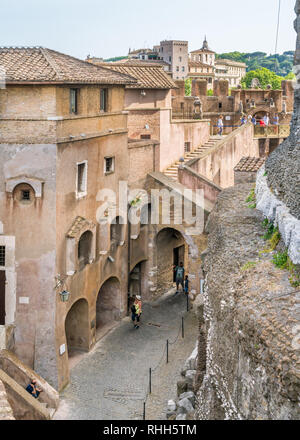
(188, 87)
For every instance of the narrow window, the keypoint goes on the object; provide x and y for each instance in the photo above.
(170, 59)
(103, 100)
(2, 255)
(220, 105)
(25, 194)
(187, 147)
(73, 101)
(145, 136)
(177, 68)
(109, 165)
(183, 68)
(81, 179)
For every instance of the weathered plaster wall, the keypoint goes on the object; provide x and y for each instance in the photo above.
(173, 135)
(283, 165)
(34, 253)
(6, 412)
(217, 164)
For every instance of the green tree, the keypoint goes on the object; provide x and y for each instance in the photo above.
(265, 77)
(188, 87)
(290, 76)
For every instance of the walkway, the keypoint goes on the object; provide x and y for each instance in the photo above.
(110, 382)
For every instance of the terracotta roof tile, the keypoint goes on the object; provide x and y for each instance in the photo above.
(148, 75)
(40, 65)
(250, 164)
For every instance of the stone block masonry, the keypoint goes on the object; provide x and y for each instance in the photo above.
(6, 412)
(251, 321)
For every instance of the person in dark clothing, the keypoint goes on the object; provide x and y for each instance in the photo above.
(179, 276)
(33, 390)
(186, 285)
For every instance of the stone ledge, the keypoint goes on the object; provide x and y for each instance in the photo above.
(276, 211)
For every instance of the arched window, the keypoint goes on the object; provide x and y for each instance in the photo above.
(146, 215)
(84, 249)
(116, 233)
(24, 194)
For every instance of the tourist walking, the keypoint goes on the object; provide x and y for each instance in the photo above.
(243, 120)
(136, 311)
(179, 276)
(253, 120)
(220, 125)
(186, 285)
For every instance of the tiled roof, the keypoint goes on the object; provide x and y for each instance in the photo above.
(149, 75)
(202, 50)
(230, 62)
(199, 64)
(139, 62)
(78, 225)
(250, 164)
(40, 65)
(211, 74)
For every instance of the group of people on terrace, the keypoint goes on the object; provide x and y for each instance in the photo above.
(265, 121)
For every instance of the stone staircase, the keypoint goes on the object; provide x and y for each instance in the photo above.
(172, 171)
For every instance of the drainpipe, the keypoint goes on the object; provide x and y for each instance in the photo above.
(128, 260)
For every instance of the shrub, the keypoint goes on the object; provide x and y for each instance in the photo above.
(280, 259)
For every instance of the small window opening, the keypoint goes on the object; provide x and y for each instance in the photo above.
(109, 165)
(2, 255)
(81, 177)
(73, 101)
(103, 100)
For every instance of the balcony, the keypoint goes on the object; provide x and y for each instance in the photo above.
(272, 131)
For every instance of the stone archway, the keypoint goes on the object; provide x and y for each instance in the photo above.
(137, 282)
(77, 327)
(108, 304)
(171, 250)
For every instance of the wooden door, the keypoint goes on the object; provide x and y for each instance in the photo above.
(2, 297)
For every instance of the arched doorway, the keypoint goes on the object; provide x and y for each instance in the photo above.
(171, 250)
(77, 327)
(137, 282)
(85, 249)
(108, 305)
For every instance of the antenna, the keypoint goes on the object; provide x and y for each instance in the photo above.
(277, 34)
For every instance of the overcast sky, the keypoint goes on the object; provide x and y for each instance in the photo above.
(107, 28)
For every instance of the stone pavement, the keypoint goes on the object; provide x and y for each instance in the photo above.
(111, 381)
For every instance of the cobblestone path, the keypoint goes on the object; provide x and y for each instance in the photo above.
(111, 381)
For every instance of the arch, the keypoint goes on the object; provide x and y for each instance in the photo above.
(137, 281)
(171, 250)
(24, 193)
(34, 183)
(108, 303)
(116, 233)
(84, 249)
(77, 327)
(262, 111)
(145, 215)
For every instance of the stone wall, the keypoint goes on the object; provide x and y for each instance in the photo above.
(6, 412)
(251, 321)
(283, 165)
(217, 163)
